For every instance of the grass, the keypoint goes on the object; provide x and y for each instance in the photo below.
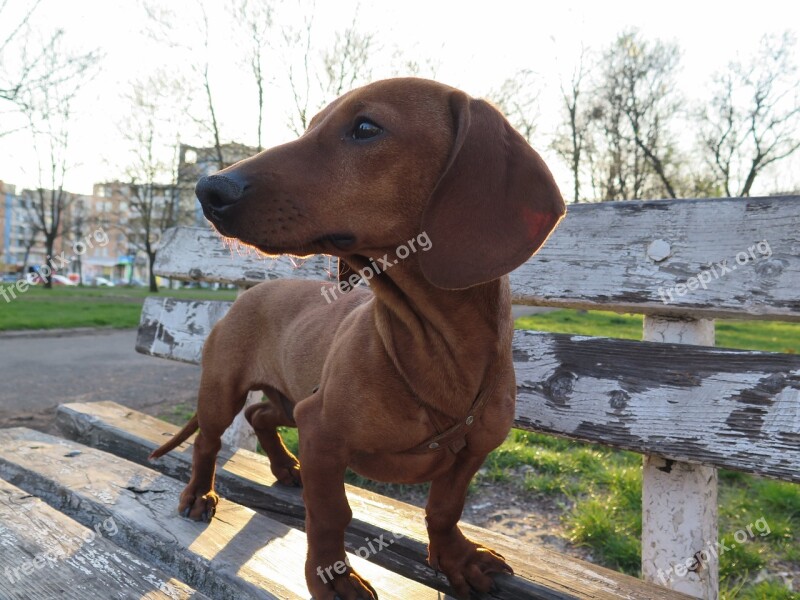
(598, 489)
(69, 307)
(769, 336)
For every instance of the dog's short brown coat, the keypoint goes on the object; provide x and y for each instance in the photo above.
(373, 374)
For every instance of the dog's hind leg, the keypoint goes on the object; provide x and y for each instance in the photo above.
(265, 418)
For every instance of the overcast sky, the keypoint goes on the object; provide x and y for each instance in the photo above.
(475, 46)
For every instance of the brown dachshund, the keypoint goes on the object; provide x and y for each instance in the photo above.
(432, 197)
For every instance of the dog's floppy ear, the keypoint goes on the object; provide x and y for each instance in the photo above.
(494, 205)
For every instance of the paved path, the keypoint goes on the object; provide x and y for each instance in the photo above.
(40, 370)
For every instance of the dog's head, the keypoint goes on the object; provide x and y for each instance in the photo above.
(388, 162)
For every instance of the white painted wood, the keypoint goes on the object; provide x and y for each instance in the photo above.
(177, 329)
(634, 256)
(729, 408)
(201, 254)
(623, 256)
(679, 500)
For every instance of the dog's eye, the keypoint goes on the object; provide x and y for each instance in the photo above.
(365, 129)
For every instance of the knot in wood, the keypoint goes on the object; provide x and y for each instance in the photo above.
(559, 386)
(618, 399)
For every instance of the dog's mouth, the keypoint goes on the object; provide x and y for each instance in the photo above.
(329, 243)
(332, 243)
(338, 243)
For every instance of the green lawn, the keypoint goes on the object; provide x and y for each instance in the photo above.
(598, 488)
(67, 307)
(770, 336)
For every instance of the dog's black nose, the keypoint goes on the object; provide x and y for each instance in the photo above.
(219, 191)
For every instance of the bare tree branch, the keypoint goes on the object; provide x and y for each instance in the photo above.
(753, 120)
(518, 98)
(572, 139)
(48, 111)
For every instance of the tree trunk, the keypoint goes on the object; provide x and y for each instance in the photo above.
(151, 257)
(49, 242)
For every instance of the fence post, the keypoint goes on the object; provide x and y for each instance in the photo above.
(240, 434)
(679, 500)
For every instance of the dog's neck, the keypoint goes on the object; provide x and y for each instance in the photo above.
(464, 334)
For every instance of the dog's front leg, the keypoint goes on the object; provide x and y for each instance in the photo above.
(324, 456)
(199, 500)
(465, 563)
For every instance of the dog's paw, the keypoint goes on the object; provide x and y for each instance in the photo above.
(467, 565)
(198, 507)
(349, 586)
(287, 473)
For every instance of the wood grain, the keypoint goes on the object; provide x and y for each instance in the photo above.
(245, 478)
(201, 254)
(732, 409)
(612, 255)
(240, 555)
(728, 408)
(46, 555)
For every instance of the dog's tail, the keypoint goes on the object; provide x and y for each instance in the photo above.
(177, 439)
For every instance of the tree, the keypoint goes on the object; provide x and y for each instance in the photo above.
(636, 105)
(343, 66)
(753, 120)
(164, 21)
(152, 190)
(518, 99)
(346, 63)
(24, 74)
(48, 110)
(572, 138)
(255, 19)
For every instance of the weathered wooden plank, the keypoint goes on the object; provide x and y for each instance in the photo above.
(176, 328)
(245, 478)
(728, 408)
(201, 254)
(45, 554)
(623, 256)
(240, 555)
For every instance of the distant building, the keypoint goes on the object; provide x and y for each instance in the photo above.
(194, 163)
(128, 202)
(18, 239)
(110, 209)
(90, 236)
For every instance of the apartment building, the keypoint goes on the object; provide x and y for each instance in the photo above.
(113, 211)
(91, 242)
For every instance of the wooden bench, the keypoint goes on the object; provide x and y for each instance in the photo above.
(689, 409)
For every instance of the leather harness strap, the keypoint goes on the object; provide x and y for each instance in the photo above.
(454, 437)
